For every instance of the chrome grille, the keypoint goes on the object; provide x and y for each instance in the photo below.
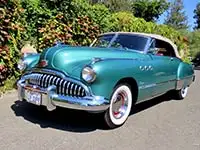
(64, 87)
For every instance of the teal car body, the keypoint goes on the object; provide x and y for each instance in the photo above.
(148, 63)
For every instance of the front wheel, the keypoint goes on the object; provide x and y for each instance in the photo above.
(120, 106)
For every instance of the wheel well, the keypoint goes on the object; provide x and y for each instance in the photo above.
(133, 84)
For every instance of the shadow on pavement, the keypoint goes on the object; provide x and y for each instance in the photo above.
(72, 120)
(62, 119)
(153, 102)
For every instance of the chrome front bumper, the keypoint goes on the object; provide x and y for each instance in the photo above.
(51, 99)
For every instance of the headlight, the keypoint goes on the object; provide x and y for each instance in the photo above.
(21, 65)
(88, 74)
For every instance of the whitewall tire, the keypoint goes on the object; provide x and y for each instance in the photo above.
(120, 106)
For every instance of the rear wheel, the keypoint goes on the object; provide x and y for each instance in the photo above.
(120, 106)
(182, 93)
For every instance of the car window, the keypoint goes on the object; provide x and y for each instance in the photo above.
(103, 41)
(122, 41)
(133, 42)
(162, 48)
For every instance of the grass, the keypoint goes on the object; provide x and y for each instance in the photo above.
(9, 84)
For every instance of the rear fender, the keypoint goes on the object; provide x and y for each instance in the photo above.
(185, 75)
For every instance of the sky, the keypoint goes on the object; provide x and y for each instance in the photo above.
(189, 5)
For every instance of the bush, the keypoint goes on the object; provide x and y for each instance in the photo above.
(54, 31)
(35, 17)
(11, 37)
(80, 31)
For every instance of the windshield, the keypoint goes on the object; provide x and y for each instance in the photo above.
(122, 41)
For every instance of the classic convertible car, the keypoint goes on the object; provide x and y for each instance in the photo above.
(116, 72)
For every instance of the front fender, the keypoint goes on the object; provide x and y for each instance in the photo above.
(31, 60)
(109, 72)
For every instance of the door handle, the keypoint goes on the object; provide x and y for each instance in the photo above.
(171, 58)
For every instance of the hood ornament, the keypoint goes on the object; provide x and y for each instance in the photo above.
(96, 59)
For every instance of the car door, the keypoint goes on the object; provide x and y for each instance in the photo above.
(144, 76)
(165, 65)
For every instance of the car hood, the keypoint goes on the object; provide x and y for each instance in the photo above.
(71, 60)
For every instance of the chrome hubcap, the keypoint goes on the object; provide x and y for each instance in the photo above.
(120, 105)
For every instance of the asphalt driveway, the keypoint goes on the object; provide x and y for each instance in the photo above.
(160, 124)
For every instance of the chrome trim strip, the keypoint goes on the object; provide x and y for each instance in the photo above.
(64, 86)
(160, 83)
(79, 90)
(180, 82)
(47, 78)
(50, 80)
(53, 81)
(82, 93)
(75, 89)
(115, 35)
(148, 44)
(68, 87)
(61, 85)
(57, 80)
(71, 88)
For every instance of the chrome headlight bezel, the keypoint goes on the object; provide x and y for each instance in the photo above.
(21, 65)
(88, 74)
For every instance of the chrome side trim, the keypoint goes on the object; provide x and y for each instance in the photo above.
(180, 82)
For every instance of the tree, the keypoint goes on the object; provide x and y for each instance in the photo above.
(115, 5)
(197, 16)
(176, 17)
(150, 10)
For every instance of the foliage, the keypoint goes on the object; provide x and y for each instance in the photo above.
(79, 32)
(197, 16)
(54, 31)
(11, 36)
(150, 10)
(9, 84)
(99, 14)
(115, 5)
(84, 31)
(194, 44)
(176, 17)
(70, 8)
(35, 17)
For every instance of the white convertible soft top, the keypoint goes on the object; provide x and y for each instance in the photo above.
(155, 36)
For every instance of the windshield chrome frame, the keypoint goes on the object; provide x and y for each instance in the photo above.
(113, 39)
(115, 35)
(148, 44)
